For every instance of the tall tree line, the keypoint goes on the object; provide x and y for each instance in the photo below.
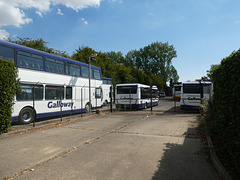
(150, 65)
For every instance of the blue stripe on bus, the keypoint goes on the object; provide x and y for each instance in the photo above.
(56, 113)
(137, 106)
(189, 107)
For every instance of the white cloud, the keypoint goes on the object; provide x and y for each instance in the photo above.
(119, 1)
(4, 34)
(10, 15)
(12, 11)
(41, 6)
(59, 12)
(39, 13)
(77, 4)
(84, 21)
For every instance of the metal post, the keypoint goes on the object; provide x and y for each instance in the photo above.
(89, 74)
(151, 97)
(201, 91)
(61, 102)
(111, 107)
(33, 89)
(175, 99)
(96, 99)
(130, 100)
(82, 99)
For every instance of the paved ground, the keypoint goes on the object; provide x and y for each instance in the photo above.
(123, 145)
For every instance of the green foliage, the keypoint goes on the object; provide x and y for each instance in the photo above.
(9, 85)
(149, 65)
(38, 44)
(82, 54)
(224, 120)
(157, 59)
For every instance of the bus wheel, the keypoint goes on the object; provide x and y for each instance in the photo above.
(26, 115)
(88, 107)
(145, 106)
(106, 102)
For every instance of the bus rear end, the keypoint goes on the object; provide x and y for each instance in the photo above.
(190, 96)
(126, 96)
(194, 93)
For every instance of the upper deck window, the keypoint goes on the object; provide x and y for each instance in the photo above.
(85, 71)
(105, 81)
(29, 60)
(54, 65)
(96, 74)
(73, 69)
(6, 53)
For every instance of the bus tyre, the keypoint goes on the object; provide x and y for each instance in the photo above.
(26, 115)
(88, 107)
(105, 102)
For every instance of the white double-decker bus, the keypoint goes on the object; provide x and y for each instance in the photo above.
(135, 96)
(51, 85)
(193, 93)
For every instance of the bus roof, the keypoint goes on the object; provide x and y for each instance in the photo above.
(25, 48)
(198, 82)
(105, 78)
(133, 84)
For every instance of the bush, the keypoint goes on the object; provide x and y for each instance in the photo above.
(224, 119)
(9, 85)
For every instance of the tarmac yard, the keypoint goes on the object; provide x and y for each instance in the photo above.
(123, 145)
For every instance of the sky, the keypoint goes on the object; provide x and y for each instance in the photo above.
(203, 32)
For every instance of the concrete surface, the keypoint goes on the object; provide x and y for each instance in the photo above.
(124, 145)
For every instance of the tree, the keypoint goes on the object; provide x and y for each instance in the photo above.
(156, 58)
(82, 54)
(116, 57)
(38, 44)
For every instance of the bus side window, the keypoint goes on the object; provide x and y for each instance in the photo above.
(68, 92)
(29, 60)
(98, 93)
(27, 92)
(7, 53)
(84, 71)
(54, 92)
(54, 65)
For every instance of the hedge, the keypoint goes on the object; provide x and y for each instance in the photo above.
(9, 85)
(224, 122)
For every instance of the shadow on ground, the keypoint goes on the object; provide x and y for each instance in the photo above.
(185, 161)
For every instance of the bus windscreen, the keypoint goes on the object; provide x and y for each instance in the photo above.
(127, 89)
(191, 88)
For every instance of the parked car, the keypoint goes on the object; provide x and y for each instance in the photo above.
(162, 94)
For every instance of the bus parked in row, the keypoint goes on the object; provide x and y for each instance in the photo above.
(106, 90)
(51, 84)
(135, 96)
(176, 90)
(194, 93)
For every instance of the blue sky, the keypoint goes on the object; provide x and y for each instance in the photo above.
(203, 32)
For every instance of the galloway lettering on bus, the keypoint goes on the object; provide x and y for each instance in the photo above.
(58, 104)
(194, 98)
